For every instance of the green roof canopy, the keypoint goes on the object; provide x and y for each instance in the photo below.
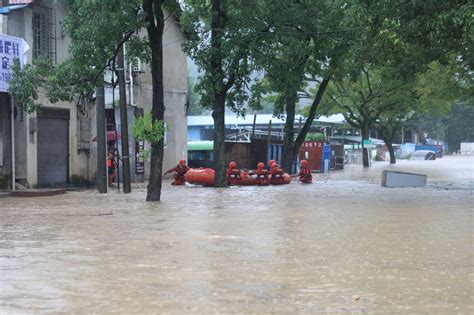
(200, 145)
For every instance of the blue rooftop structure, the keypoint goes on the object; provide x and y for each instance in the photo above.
(197, 123)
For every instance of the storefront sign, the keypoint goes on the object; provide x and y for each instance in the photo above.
(139, 157)
(367, 143)
(11, 49)
(20, 1)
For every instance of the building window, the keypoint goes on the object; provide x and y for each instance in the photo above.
(44, 33)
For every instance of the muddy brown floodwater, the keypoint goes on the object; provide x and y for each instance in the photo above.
(342, 244)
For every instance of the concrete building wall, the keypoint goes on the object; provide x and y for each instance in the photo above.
(5, 131)
(175, 93)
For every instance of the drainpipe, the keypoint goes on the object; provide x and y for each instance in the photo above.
(13, 142)
(131, 81)
(130, 72)
(124, 122)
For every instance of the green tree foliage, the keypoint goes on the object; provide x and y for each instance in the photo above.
(23, 85)
(146, 129)
(311, 42)
(459, 125)
(220, 44)
(384, 100)
(403, 39)
(362, 99)
(95, 43)
(431, 30)
(316, 136)
(193, 106)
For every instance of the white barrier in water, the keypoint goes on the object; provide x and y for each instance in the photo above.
(403, 179)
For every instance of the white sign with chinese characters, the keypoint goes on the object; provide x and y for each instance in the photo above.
(11, 48)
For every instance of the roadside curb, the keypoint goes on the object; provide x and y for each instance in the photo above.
(38, 192)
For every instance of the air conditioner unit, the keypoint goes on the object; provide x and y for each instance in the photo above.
(136, 65)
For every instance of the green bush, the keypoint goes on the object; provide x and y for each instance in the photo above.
(146, 129)
(315, 136)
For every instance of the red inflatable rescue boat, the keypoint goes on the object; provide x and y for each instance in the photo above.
(200, 176)
(284, 180)
(248, 180)
(205, 177)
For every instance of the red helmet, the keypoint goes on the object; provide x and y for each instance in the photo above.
(232, 165)
(271, 162)
(260, 166)
(304, 163)
(182, 162)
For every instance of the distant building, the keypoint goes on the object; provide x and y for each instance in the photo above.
(201, 128)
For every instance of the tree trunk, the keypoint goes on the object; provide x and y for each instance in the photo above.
(388, 134)
(124, 123)
(287, 156)
(219, 144)
(153, 11)
(219, 95)
(421, 135)
(364, 131)
(309, 121)
(391, 152)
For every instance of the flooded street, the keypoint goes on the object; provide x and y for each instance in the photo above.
(342, 244)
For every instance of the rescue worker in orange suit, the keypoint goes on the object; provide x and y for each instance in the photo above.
(270, 164)
(276, 174)
(111, 166)
(262, 174)
(233, 174)
(305, 173)
(180, 170)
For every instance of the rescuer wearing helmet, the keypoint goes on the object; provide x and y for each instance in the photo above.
(270, 164)
(262, 174)
(276, 174)
(233, 174)
(179, 170)
(305, 173)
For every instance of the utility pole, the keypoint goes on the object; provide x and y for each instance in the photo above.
(124, 122)
(101, 140)
(12, 104)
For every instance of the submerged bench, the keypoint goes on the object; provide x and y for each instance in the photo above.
(403, 179)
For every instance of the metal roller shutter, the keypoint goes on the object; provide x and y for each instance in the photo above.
(53, 146)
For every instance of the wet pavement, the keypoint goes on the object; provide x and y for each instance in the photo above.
(342, 244)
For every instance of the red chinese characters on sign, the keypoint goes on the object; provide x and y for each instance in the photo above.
(20, 1)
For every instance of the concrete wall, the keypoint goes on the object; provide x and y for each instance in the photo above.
(175, 93)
